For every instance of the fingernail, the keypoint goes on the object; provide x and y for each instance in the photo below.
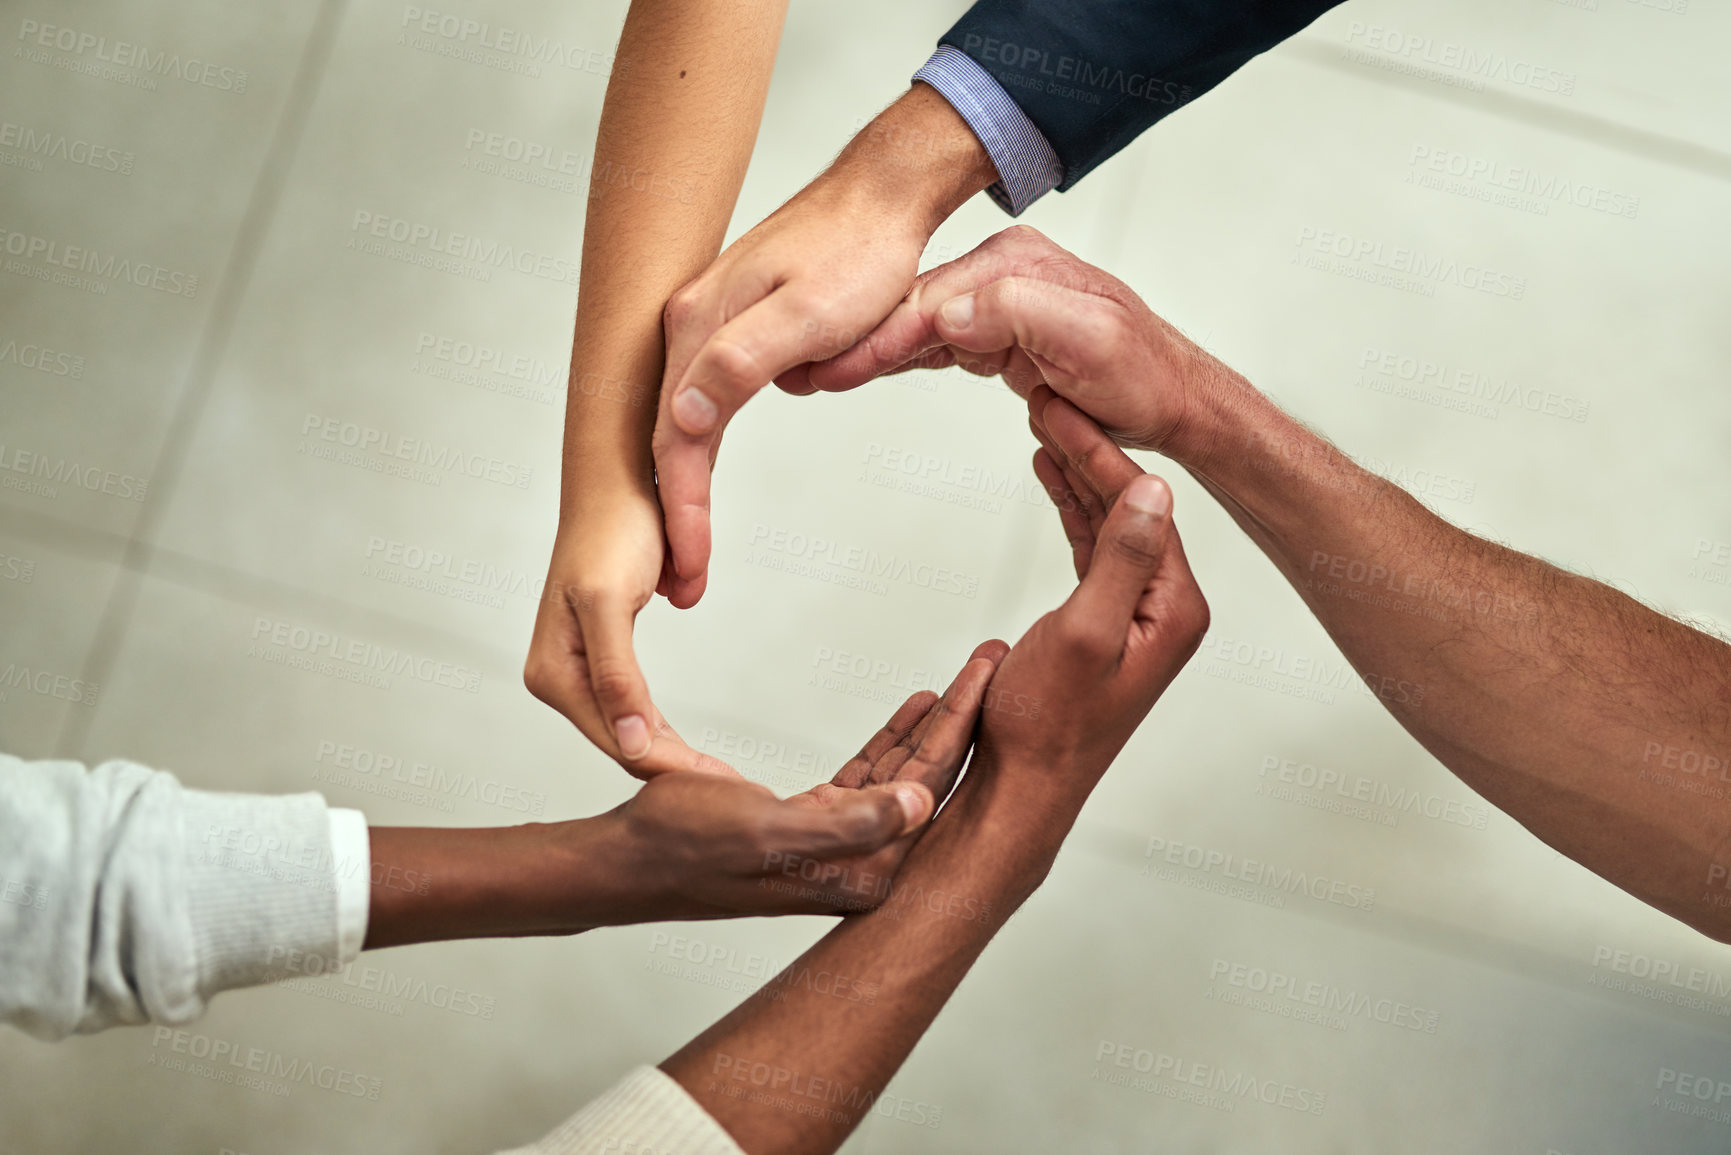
(633, 735)
(913, 804)
(958, 312)
(695, 412)
(1147, 494)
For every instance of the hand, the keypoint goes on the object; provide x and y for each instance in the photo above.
(803, 285)
(687, 846)
(1073, 690)
(606, 563)
(719, 847)
(1020, 307)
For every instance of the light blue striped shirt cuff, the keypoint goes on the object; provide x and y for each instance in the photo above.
(1028, 169)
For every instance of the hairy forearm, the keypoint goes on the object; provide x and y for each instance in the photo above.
(676, 134)
(796, 1066)
(1592, 720)
(918, 155)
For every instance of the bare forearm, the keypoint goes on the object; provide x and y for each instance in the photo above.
(1567, 704)
(798, 1065)
(432, 884)
(676, 134)
(918, 154)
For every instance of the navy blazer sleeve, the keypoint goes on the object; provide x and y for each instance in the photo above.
(1093, 74)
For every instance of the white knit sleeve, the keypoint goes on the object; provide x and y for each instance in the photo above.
(125, 898)
(645, 1113)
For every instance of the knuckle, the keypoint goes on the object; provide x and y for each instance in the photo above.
(736, 366)
(682, 306)
(1100, 645)
(1194, 616)
(1089, 640)
(1137, 547)
(612, 681)
(860, 824)
(1112, 342)
(1025, 235)
(537, 677)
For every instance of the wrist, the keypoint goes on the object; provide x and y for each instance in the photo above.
(602, 489)
(1021, 813)
(919, 158)
(1223, 421)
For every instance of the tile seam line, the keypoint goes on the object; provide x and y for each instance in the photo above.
(211, 349)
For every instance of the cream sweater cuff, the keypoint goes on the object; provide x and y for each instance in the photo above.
(645, 1113)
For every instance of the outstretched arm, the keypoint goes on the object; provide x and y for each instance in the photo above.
(677, 129)
(125, 898)
(686, 846)
(1598, 724)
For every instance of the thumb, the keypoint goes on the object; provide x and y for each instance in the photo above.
(621, 694)
(1068, 330)
(1128, 552)
(859, 823)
